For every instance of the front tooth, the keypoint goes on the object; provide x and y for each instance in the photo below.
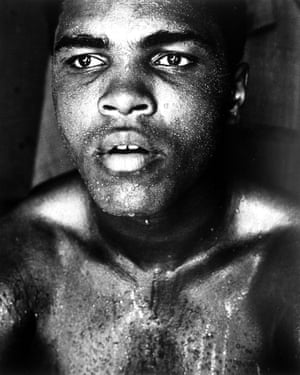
(133, 147)
(122, 147)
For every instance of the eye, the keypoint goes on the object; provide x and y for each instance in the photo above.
(173, 60)
(87, 61)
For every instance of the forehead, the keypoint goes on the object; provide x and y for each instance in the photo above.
(126, 16)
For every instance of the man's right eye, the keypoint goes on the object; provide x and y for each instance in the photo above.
(86, 61)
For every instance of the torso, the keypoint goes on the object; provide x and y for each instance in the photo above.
(192, 323)
(215, 315)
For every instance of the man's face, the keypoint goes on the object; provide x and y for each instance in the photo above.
(139, 87)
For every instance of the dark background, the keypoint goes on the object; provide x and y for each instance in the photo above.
(267, 142)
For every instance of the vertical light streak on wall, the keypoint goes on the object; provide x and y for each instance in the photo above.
(202, 347)
(258, 369)
(228, 309)
(213, 361)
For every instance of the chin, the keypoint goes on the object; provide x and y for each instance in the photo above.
(129, 200)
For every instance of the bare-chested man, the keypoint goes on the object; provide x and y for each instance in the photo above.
(150, 262)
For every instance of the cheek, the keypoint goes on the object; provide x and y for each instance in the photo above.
(197, 95)
(76, 110)
(191, 113)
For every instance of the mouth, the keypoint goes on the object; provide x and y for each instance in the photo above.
(127, 152)
(126, 159)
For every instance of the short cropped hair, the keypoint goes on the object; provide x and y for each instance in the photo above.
(229, 15)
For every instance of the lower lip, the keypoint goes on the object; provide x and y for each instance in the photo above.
(130, 163)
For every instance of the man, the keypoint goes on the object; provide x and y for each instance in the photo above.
(151, 262)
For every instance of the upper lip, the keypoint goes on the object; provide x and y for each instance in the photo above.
(125, 138)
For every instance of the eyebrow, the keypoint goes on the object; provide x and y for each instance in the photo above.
(83, 41)
(168, 37)
(158, 38)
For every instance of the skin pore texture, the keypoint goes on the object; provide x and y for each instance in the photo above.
(148, 261)
(180, 143)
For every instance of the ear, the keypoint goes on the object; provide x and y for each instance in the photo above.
(239, 90)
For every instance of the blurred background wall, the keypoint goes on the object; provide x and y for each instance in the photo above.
(267, 143)
(23, 59)
(271, 118)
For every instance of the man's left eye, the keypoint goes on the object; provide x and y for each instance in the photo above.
(172, 60)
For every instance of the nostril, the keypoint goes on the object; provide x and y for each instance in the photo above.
(125, 103)
(109, 108)
(141, 107)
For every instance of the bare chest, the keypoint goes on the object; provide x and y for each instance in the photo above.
(182, 325)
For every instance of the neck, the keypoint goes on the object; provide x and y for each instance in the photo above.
(167, 240)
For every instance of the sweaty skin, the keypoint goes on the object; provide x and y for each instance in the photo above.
(148, 261)
(73, 303)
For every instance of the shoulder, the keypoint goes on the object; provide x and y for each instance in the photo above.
(270, 222)
(62, 201)
(261, 211)
(54, 211)
(29, 235)
(59, 204)
(267, 223)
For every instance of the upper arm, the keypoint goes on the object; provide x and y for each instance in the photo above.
(8, 315)
(14, 303)
(26, 277)
(276, 302)
(10, 320)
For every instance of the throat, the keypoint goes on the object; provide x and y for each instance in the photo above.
(166, 241)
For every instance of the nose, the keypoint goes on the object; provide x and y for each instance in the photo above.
(125, 101)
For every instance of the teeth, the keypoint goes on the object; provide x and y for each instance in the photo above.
(122, 147)
(127, 147)
(133, 147)
(125, 163)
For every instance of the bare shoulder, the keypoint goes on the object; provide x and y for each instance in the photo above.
(261, 211)
(29, 259)
(62, 201)
(52, 213)
(58, 204)
(270, 221)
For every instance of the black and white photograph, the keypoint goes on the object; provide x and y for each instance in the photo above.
(149, 187)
